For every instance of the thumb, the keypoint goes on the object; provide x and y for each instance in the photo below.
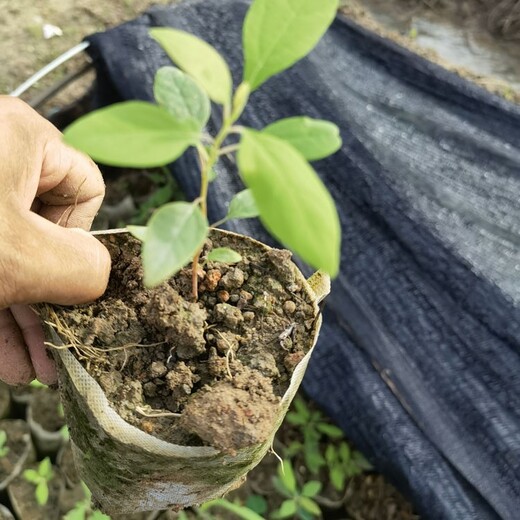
(59, 265)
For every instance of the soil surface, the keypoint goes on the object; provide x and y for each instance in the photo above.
(46, 411)
(22, 496)
(210, 372)
(18, 445)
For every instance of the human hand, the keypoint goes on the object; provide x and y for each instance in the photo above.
(49, 194)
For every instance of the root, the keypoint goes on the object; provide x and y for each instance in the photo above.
(87, 353)
(156, 413)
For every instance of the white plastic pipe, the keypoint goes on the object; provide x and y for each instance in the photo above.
(54, 64)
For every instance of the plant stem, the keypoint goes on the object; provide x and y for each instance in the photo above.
(208, 157)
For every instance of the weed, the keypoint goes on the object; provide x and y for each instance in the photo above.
(40, 478)
(298, 501)
(83, 510)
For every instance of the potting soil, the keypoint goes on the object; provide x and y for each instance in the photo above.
(210, 372)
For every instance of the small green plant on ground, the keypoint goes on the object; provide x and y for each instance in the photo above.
(40, 478)
(343, 464)
(313, 426)
(339, 460)
(298, 502)
(4, 449)
(282, 187)
(83, 509)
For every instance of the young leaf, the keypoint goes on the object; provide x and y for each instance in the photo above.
(198, 59)
(309, 505)
(287, 476)
(175, 233)
(32, 476)
(42, 493)
(45, 469)
(294, 204)
(78, 513)
(287, 509)
(330, 430)
(182, 97)
(278, 33)
(337, 477)
(344, 452)
(138, 232)
(133, 133)
(313, 138)
(257, 503)
(224, 255)
(242, 205)
(296, 419)
(311, 488)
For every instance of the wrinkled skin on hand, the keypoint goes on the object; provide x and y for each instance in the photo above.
(49, 195)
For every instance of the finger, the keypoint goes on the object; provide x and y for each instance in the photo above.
(30, 326)
(16, 367)
(77, 265)
(70, 186)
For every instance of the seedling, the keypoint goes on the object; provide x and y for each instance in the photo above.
(4, 449)
(343, 463)
(282, 187)
(299, 503)
(314, 428)
(40, 478)
(83, 510)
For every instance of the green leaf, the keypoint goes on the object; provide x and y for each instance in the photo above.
(98, 515)
(302, 408)
(45, 468)
(278, 33)
(309, 505)
(311, 488)
(182, 97)
(331, 454)
(175, 233)
(361, 462)
(287, 476)
(138, 232)
(198, 59)
(3, 438)
(224, 255)
(32, 476)
(296, 419)
(337, 477)
(294, 204)
(133, 134)
(330, 430)
(293, 449)
(78, 513)
(257, 503)
(344, 451)
(242, 205)
(42, 493)
(287, 509)
(313, 138)
(313, 458)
